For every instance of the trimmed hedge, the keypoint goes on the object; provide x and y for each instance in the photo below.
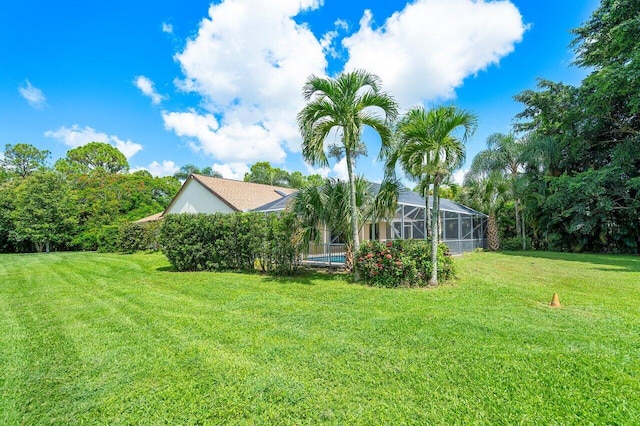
(230, 242)
(401, 263)
(134, 237)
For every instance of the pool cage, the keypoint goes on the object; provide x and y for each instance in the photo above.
(462, 229)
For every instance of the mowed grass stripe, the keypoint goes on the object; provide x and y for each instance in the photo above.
(121, 339)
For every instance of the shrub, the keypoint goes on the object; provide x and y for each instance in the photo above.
(511, 244)
(107, 238)
(237, 241)
(279, 254)
(401, 263)
(86, 240)
(133, 236)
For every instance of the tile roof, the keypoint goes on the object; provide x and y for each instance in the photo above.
(241, 195)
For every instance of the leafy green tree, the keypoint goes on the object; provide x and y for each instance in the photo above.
(45, 211)
(263, 172)
(297, 180)
(429, 147)
(346, 105)
(189, 169)
(7, 199)
(24, 159)
(109, 199)
(93, 157)
(311, 180)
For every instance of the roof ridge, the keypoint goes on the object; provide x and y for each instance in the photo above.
(242, 181)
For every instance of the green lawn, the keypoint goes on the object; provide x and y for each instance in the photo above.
(122, 339)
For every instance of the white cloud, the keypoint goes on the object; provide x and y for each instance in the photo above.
(231, 170)
(76, 136)
(146, 87)
(424, 52)
(166, 168)
(32, 94)
(327, 41)
(322, 171)
(458, 176)
(167, 28)
(128, 148)
(249, 62)
(340, 169)
(234, 143)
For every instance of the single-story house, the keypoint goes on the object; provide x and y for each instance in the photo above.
(206, 194)
(463, 229)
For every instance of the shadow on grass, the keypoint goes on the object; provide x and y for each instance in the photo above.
(309, 276)
(304, 276)
(616, 262)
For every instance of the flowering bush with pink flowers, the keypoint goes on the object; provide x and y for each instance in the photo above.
(401, 263)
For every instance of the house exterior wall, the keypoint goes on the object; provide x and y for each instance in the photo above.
(195, 198)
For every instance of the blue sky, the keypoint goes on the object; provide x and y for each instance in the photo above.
(218, 84)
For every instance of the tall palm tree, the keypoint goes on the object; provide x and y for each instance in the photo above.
(429, 146)
(486, 191)
(345, 104)
(505, 153)
(328, 206)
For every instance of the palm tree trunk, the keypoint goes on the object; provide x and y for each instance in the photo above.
(517, 208)
(524, 234)
(427, 216)
(434, 234)
(352, 204)
(493, 237)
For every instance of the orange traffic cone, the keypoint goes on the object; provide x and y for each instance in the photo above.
(555, 302)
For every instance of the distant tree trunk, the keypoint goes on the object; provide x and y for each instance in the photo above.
(48, 249)
(518, 221)
(524, 234)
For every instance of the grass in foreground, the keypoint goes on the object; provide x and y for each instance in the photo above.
(121, 339)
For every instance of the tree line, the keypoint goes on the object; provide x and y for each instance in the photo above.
(568, 175)
(70, 205)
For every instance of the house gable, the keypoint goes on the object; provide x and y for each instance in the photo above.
(194, 197)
